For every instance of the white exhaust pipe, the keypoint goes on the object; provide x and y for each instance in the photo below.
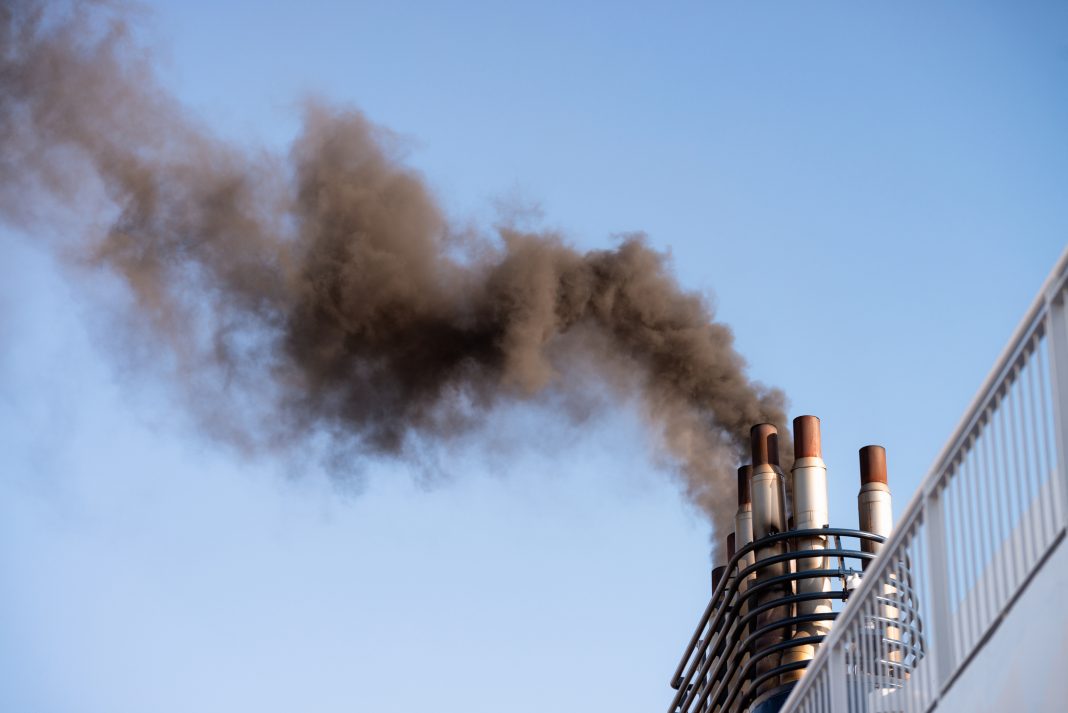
(743, 519)
(810, 513)
(877, 516)
(742, 536)
(768, 486)
(874, 502)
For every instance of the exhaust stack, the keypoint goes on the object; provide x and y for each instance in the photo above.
(760, 635)
(810, 513)
(743, 535)
(743, 519)
(768, 490)
(876, 515)
(873, 501)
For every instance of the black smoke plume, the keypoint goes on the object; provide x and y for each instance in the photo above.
(324, 291)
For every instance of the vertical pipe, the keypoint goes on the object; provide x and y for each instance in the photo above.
(810, 513)
(743, 519)
(743, 535)
(876, 516)
(731, 574)
(873, 502)
(768, 489)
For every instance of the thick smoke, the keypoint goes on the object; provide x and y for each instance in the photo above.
(323, 291)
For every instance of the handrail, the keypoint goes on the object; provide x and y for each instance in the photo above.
(732, 565)
(987, 516)
(725, 641)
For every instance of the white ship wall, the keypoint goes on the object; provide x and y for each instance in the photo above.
(1024, 665)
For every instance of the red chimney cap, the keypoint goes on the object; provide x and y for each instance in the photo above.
(764, 439)
(807, 437)
(873, 464)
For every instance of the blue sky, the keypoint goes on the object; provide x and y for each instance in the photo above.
(872, 192)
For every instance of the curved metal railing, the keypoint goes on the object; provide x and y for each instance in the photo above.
(752, 618)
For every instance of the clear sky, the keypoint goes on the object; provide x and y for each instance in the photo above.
(873, 193)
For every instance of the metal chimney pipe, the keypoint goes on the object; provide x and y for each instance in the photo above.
(873, 501)
(768, 490)
(743, 519)
(767, 483)
(743, 535)
(810, 513)
(731, 548)
(874, 505)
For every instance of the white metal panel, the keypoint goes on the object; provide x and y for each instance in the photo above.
(1022, 667)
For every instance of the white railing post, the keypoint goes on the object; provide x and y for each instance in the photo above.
(1057, 346)
(940, 628)
(837, 679)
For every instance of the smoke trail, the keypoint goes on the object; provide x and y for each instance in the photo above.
(324, 290)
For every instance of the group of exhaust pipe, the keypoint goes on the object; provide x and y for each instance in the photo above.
(762, 512)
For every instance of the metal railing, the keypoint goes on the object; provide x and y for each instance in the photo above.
(750, 619)
(986, 517)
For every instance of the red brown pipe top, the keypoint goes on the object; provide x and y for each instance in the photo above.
(764, 439)
(731, 546)
(745, 491)
(873, 464)
(807, 437)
